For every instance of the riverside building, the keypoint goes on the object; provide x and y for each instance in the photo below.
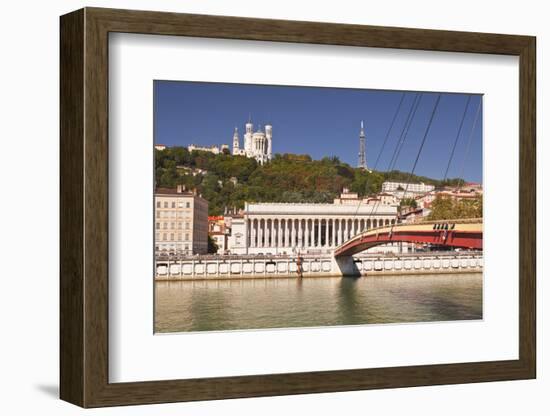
(287, 228)
(181, 222)
(391, 186)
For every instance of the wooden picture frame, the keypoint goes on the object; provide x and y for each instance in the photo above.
(84, 207)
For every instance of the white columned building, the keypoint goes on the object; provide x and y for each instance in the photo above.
(289, 228)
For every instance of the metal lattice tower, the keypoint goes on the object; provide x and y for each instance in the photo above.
(362, 149)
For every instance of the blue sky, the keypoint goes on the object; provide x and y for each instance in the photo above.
(325, 122)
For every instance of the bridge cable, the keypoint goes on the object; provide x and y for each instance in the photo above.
(457, 137)
(382, 148)
(466, 153)
(399, 145)
(412, 110)
(422, 144)
(404, 132)
(455, 143)
(389, 131)
(418, 153)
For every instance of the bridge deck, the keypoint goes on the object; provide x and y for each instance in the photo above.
(466, 234)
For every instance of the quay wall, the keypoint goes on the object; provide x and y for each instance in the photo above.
(316, 266)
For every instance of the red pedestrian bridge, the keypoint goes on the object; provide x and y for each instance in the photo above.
(466, 234)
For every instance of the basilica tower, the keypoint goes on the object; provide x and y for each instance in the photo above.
(248, 137)
(269, 137)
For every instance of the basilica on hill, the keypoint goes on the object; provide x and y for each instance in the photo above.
(257, 145)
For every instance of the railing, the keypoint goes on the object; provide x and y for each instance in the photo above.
(398, 225)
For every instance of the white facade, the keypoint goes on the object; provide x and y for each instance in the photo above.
(279, 228)
(421, 187)
(236, 242)
(221, 241)
(212, 149)
(257, 145)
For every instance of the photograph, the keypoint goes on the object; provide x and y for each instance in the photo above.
(295, 207)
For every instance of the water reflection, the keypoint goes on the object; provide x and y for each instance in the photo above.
(280, 303)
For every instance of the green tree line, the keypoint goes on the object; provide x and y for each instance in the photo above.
(445, 207)
(229, 181)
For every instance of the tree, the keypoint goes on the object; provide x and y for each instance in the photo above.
(212, 245)
(442, 208)
(286, 178)
(447, 208)
(408, 202)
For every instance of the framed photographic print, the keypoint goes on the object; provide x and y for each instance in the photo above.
(255, 207)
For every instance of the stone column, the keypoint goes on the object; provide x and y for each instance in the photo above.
(326, 233)
(300, 240)
(259, 233)
(312, 234)
(353, 228)
(327, 242)
(272, 242)
(280, 239)
(292, 233)
(285, 232)
(275, 234)
(312, 241)
(318, 233)
(297, 227)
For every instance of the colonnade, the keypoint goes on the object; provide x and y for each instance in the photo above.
(307, 233)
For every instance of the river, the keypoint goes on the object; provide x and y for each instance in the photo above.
(216, 305)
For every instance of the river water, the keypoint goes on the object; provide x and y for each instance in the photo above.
(310, 302)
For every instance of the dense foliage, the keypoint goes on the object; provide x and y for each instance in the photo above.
(408, 202)
(229, 181)
(212, 245)
(398, 176)
(444, 207)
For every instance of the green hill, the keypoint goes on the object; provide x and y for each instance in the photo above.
(226, 180)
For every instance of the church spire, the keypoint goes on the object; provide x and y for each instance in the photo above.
(236, 141)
